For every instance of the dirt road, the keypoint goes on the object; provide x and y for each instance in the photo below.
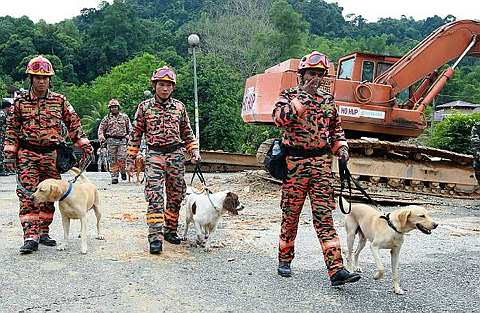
(439, 272)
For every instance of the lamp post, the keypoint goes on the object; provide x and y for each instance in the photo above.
(193, 42)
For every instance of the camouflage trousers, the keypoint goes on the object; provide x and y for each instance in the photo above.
(32, 168)
(102, 163)
(117, 156)
(2, 141)
(310, 176)
(164, 177)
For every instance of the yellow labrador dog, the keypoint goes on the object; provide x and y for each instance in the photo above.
(75, 200)
(383, 232)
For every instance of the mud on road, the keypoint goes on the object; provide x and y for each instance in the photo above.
(439, 272)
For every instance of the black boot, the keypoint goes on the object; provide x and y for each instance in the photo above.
(155, 247)
(124, 176)
(284, 269)
(172, 238)
(343, 276)
(29, 246)
(47, 241)
(114, 181)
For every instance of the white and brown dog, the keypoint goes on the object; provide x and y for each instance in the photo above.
(75, 200)
(204, 210)
(383, 232)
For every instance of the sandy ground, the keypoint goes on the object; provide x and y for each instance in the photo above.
(439, 272)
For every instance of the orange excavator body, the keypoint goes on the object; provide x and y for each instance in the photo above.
(377, 96)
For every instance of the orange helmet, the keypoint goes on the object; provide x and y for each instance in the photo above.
(314, 60)
(164, 73)
(40, 66)
(113, 102)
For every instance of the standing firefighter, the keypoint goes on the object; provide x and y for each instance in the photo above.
(34, 133)
(475, 142)
(311, 132)
(6, 109)
(164, 122)
(114, 130)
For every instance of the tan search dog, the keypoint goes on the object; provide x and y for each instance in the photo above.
(139, 166)
(75, 200)
(383, 233)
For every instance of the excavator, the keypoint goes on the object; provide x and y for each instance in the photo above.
(382, 101)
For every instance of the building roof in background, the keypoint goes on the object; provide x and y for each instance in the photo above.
(457, 104)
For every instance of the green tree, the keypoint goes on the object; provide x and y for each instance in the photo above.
(453, 133)
(125, 82)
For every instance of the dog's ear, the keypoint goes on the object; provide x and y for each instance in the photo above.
(229, 203)
(194, 208)
(55, 193)
(403, 217)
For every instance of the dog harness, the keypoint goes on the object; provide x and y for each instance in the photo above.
(69, 190)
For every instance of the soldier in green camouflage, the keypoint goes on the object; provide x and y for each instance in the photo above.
(475, 142)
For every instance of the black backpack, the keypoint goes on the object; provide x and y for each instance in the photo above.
(275, 161)
(65, 158)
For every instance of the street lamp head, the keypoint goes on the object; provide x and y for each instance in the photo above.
(193, 40)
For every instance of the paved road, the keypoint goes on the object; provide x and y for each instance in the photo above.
(439, 272)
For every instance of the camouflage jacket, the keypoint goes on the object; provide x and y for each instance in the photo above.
(475, 139)
(118, 126)
(162, 124)
(320, 124)
(3, 123)
(39, 121)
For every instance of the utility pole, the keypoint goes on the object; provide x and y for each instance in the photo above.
(194, 41)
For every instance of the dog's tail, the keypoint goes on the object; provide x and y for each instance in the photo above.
(76, 171)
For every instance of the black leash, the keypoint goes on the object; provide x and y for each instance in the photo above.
(198, 172)
(346, 179)
(87, 159)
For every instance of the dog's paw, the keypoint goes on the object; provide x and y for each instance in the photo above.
(399, 291)
(83, 251)
(378, 275)
(61, 247)
(100, 237)
(207, 249)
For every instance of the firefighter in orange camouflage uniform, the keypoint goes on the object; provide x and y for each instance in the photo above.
(164, 122)
(34, 131)
(312, 132)
(114, 129)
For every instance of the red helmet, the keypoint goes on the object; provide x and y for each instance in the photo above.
(314, 60)
(164, 73)
(113, 102)
(40, 66)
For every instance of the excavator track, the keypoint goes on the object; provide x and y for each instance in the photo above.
(406, 167)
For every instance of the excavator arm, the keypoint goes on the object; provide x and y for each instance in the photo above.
(451, 41)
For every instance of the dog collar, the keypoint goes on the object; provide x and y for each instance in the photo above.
(69, 190)
(389, 222)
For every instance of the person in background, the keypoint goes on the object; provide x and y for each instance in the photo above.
(114, 130)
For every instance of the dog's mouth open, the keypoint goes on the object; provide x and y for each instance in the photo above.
(423, 229)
